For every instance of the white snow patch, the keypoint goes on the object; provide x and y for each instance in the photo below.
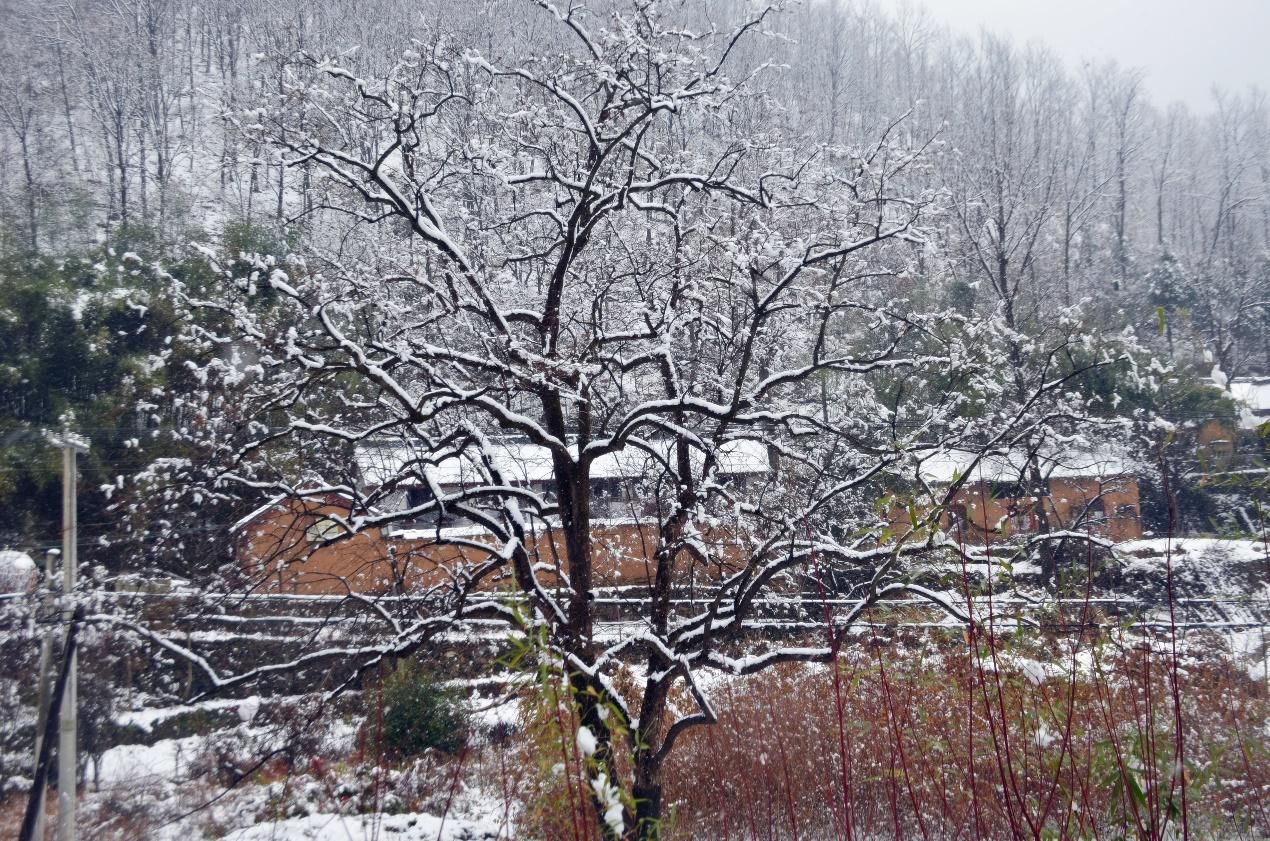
(1192, 548)
(607, 794)
(587, 743)
(164, 761)
(1032, 670)
(17, 572)
(248, 708)
(401, 827)
(1253, 395)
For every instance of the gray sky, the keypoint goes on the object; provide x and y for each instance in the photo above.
(1184, 47)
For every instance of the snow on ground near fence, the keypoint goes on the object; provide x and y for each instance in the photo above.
(404, 827)
(166, 783)
(1243, 599)
(146, 719)
(1250, 648)
(162, 778)
(162, 762)
(1210, 548)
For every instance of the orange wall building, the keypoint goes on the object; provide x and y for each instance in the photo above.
(1104, 507)
(1097, 494)
(287, 547)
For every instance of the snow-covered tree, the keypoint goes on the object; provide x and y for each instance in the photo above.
(597, 250)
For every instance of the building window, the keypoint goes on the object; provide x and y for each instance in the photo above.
(323, 530)
(418, 496)
(1020, 520)
(1094, 516)
(422, 495)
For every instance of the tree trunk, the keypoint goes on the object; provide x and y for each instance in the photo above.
(66, 106)
(1048, 552)
(141, 171)
(647, 794)
(30, 195)
(121, 161)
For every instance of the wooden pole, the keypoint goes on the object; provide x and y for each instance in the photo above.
(42, 716)
(35, 801)
(67, 754)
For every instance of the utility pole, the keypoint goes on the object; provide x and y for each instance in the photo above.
(71, 446)
(41, 721)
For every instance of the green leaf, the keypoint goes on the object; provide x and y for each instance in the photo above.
(1135, 790)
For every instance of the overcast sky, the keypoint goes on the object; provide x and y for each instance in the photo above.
(1184, 47)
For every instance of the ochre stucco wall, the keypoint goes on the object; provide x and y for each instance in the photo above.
(277, 556)
(1067, 500)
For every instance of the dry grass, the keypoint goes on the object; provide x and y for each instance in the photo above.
(937, 736)
(948, 742)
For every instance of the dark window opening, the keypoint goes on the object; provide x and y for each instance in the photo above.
(416, 497)
(422, 495)
(1005, 490)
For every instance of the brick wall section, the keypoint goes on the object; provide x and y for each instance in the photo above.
(277, 555)
(1215, 444)
(1069, 498)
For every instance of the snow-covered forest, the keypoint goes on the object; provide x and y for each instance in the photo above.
(627, 420)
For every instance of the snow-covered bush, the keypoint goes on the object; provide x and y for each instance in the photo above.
(17, 572)
(419, 714)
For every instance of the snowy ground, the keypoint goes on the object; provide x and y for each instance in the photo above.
(415, 827)
(169, 791)
(1225, 584)
(174, 789)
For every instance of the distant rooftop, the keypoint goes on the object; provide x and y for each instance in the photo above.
(1253, 396)
(523, 463)
(944, 468)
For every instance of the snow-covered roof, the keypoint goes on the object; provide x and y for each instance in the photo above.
(526, 463)
(1253, 395)
(736, 458)
(379, 462)
(406, 531)
(277, 502)
(943, 468)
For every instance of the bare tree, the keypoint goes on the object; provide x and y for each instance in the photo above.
(20, 113)
(599, 255)
(1126, 117)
